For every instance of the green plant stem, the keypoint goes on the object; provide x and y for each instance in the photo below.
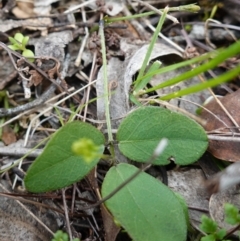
(105, 78)
(151, 45)
(189, 8)
(210, 83)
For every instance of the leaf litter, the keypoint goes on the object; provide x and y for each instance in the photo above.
(124, 63)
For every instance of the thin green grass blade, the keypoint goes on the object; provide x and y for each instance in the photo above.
(221, 56)
(155, 66)
(176, 66)
(151, 45)
(210, 83)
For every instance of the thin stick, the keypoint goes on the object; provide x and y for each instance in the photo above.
(66, 213)
(224, 138)
(168, 40)
(74, 8)
(56, 104)
(28, 111)
(84, 40)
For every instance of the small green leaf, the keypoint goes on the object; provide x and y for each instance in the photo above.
(13, 41)
(146, 208)
(210, 237)
(19, 37)
(58, 166)
(140, 132)
(25, 41)
(13, 47)
(208, 225)
(220, 234)
(232, 215)
(27, 53)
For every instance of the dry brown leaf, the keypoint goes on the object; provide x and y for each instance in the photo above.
(36, 78)
(111, 229)
(226, 150)
(23, 10)
(26, 119)
(8, 135)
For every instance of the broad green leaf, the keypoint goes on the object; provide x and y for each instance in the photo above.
(145, 208)
(58, 166)
(140, 132)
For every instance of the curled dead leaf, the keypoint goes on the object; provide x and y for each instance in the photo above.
(8, 135)
(217, 119)
(36, 78)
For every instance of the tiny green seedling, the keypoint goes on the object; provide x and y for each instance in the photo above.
(61, 236)
(210, 227)
(19, 42)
